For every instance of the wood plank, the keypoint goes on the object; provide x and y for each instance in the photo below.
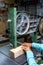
(16, 52)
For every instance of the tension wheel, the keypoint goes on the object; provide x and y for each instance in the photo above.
(22, 23)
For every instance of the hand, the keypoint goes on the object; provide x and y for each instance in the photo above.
(26, 46)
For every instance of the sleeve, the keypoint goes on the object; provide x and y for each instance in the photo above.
(37, 46)
(30, 58)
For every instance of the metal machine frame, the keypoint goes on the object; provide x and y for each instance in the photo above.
(12, 12)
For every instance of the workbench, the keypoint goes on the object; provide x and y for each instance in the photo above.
(5, 58)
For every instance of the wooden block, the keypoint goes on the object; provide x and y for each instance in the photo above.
(16, 52)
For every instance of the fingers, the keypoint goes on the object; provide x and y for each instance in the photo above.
(24, 48)
(25, 44)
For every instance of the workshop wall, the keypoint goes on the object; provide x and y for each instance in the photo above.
(7, 1)
(31, 9)
(40, 10)
(3, 26)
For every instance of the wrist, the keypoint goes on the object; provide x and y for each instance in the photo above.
(28, 49)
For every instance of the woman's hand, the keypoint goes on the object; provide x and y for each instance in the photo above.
(26, 46)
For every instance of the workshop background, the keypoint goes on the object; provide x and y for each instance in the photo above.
(20, 21)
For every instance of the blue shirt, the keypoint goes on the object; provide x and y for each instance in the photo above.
(30, 55)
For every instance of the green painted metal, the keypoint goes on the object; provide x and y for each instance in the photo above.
(40, 62)
(35, 37)
(12, 26)
(14, 29)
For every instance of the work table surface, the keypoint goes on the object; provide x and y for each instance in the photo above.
(5, 58)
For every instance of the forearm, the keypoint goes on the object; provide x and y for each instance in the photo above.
(37, 46)
(30, 58)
